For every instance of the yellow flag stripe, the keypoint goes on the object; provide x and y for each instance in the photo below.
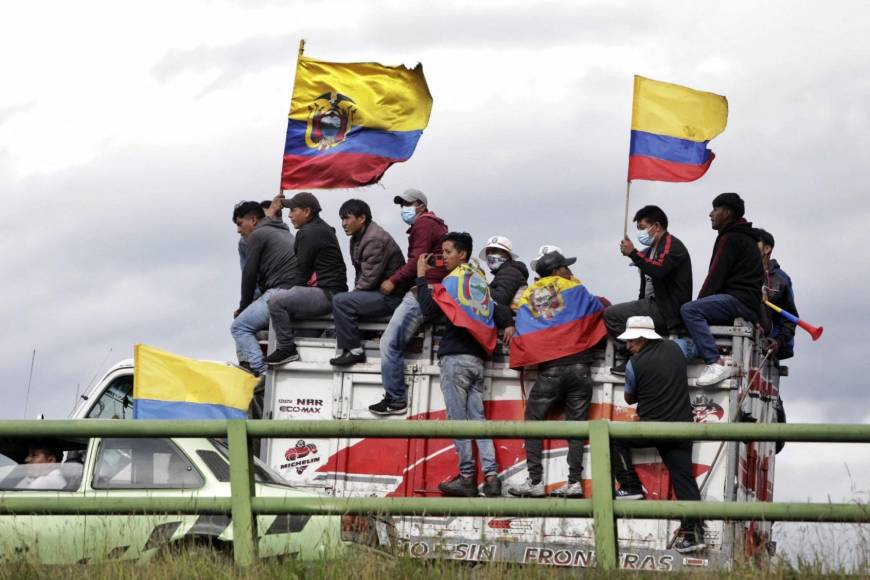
(677, 111)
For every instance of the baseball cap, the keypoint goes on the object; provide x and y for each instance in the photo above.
(303, 199)
(545, 249)
(410, 196)
(550, 261)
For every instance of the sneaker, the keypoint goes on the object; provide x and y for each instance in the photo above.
(619, 369)
(459, 487)
(347, 358)
(282, 356)
(713, 374)
(528, 489)
(628, 493)
(492, 486)
(690, 541)
(388, 407)
(569, 490)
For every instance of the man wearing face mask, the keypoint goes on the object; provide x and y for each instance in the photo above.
(509, 277)
(424, 237)
(665, 278)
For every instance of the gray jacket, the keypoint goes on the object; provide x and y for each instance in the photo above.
(270, 259)
(375, 256)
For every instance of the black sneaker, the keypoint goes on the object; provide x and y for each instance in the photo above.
(628, 494)
(459, 487)
(388, 407)
(347, 358)
(245, 365)
(690, 541)
(619, 369)
(492, 486)
(282, 356)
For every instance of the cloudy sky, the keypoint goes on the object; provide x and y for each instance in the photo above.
(129, 130)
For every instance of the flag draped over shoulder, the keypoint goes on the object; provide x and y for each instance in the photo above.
(464, 298)
(557, 317)
(168, 386)
(350, 121)
(670, 128)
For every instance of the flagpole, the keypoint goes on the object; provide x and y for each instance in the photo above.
(625, 222)
(301, 51)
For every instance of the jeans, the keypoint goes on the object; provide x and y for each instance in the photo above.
(617, 315)
(462, 386)
(244, 329)
(302, 301)
(349, 307)
(699, 314)
(406, 319)
(571, 384)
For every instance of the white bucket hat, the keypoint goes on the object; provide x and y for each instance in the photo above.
(545, 249)
(499, 243)
(639, 327)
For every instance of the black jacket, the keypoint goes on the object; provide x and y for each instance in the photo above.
(780, 293)
(735, 268)
(269, 260)
(661, 387)
(455, 340)
(508, 279)
(319, 255)
(671, 274)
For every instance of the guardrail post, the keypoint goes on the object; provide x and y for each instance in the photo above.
(602, 495)
(242, 489)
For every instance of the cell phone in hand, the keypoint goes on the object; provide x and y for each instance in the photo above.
(435, 260)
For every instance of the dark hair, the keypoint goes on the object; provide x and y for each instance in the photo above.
(461, 241)
(763, 236)
(266, 204)
(48, 451)
(356, 208)
(245, 209)
(653, 214)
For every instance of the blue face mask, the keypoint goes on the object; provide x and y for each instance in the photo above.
(644, 237)
(409, 215)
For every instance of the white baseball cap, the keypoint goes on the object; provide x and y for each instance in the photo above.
(639, 327)
(545, 249)
(499, 243)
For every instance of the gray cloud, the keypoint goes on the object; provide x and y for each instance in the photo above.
(6, 113)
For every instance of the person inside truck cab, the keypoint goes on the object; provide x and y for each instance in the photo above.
(375, 256)
(320, 274)
(270, 266)
(43, 469)
(424, 237)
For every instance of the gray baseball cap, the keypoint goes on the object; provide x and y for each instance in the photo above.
(410, 196)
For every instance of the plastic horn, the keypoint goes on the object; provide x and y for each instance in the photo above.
(815, 331)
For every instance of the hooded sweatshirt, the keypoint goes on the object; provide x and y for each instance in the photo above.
(736, 268)
(424, 237)
(270, 259)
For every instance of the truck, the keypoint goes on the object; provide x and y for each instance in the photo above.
(312, 389)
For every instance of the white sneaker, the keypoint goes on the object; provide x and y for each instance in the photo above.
(528, 489)
(569, 490)
(713, 374)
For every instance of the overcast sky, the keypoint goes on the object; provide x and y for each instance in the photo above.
(129, 130)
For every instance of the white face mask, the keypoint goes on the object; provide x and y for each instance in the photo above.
(495, 262)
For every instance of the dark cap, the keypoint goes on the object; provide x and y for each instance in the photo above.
(303, 199)
(763, 236)
(550, 261)
(731, 201)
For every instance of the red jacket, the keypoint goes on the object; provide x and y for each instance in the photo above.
(424, 237)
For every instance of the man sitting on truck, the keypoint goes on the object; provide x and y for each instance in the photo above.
(469, 338)
(509, 275)
(424, 237)
(732, 288)
(270, 265)
(657, 382)
(375, 256)
(665, 270)
(320, 275)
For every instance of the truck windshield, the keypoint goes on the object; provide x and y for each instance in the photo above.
(262, 472)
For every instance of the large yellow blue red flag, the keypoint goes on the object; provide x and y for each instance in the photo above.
(670, 128)
(464, 297)
(349, 122)
(557, 317)
(168, 386)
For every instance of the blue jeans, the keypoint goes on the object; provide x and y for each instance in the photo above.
(462, 386)
(699, 314)
(245, 327)
(406, 319)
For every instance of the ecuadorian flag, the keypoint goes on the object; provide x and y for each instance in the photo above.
(168, 386)
(670, 128)
(557, 317)
(350, 121)
(464, 298)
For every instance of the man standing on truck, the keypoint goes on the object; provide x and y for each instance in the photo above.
(424, 237)
(319, 276)
(375, 256)
(469, 337)
(509, 275)
(270, 265)
(657, 383)
(558, 322)
(732, 288)
(665, 270)
(779, 291)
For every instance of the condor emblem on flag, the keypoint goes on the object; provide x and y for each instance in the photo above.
(466, 302)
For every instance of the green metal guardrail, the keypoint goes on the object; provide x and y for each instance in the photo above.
(243, 504)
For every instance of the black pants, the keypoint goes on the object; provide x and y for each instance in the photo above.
(617, 315)
(677, 457)
(571, 385)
